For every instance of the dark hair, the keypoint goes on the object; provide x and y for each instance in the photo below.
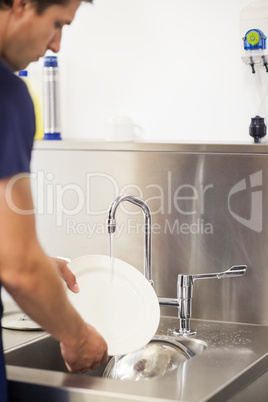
(40, 5)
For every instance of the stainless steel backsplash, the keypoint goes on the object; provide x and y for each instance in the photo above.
(209, 207)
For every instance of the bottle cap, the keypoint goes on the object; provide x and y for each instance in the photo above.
(23, 73)
(52, 136)
(50, 61)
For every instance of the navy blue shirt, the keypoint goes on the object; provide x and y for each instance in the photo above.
(17, 128)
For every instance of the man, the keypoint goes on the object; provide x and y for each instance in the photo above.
(28, 28)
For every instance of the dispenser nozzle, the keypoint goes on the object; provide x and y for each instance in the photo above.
(252, 65)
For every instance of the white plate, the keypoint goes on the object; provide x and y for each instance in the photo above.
(20, 322)
(120, 302)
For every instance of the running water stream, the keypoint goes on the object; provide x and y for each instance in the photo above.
(111, 258)
(116, 358)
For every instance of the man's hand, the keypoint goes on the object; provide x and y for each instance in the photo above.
(66, 274)
(88, 354)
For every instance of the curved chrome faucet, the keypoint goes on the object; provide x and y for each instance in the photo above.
(111, 225)
(184, 299)
(185, 281)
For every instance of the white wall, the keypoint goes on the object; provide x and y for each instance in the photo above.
(174, 66)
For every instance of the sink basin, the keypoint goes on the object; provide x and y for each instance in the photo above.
(44, 353)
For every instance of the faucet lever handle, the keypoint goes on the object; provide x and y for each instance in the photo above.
(235, 270)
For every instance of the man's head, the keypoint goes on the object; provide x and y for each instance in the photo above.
(31, 27)
(40, 5)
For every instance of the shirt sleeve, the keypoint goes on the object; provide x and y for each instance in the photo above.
(17, 127)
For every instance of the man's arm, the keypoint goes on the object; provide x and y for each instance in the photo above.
(33, 281)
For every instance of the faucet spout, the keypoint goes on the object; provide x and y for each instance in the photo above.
(111, 226)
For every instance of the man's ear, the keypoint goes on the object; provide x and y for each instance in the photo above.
(19, 6)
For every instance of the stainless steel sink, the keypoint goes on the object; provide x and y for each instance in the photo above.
(226, 357)
(44, 353)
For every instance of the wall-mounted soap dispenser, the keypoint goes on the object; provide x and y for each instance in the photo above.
(254, 53)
